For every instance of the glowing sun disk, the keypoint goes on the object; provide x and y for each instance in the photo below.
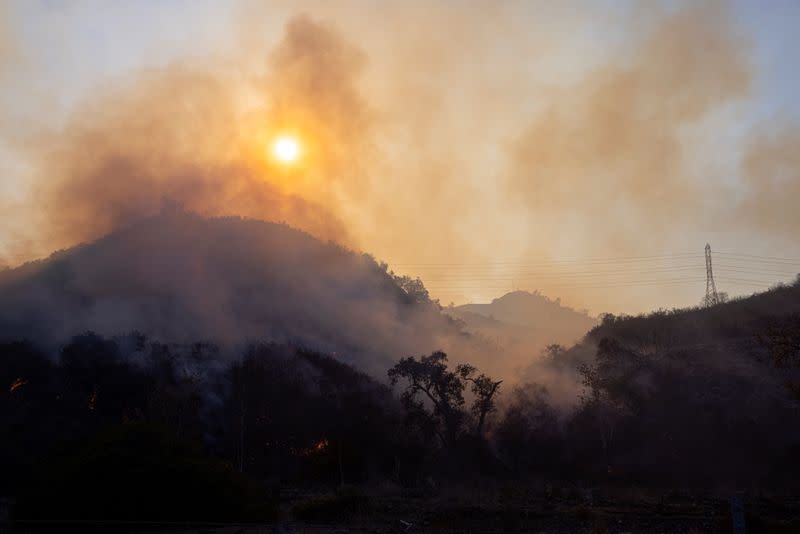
(286, 149)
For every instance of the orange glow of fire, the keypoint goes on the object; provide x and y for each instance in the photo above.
(316, 448)
(16, 384)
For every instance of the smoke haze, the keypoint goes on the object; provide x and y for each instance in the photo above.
(443, 136)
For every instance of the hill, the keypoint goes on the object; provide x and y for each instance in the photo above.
(693, 395)
(737, 320)
(180, 277)
(532, 310)
(524, 322)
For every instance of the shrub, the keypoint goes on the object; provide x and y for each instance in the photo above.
(140, 472)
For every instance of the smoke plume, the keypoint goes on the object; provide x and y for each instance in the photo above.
(438, 136)
(771, 174)
(200, 137)
(611, 147)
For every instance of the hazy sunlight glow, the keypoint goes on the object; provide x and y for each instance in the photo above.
(286, 149)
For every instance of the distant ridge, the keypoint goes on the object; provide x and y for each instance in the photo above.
(523, 308)
(525, 322)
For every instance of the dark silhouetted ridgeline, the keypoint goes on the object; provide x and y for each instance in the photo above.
(179, 277)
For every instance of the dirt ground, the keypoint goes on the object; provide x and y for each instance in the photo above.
(543, 511)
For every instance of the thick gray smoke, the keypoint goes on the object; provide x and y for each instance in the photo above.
(182, 278)
(426, 146)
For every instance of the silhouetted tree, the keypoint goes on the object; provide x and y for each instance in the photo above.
(527, 435)
(413, 287)
(553, 352)
(781, 337)
(612, 390)
(484, 389)
(429, 381)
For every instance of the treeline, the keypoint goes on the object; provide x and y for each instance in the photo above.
(109, 421)
(707, 396)
(275, 412)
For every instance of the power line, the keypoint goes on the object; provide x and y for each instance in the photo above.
(577, 275)
(766, 272)
(557, 274)
(550, 262)
(494, 267)
(755, 256)
(621, 283)
(610, 273)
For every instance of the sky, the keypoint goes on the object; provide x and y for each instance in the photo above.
(588, 150)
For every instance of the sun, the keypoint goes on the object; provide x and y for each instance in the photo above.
(286, 149)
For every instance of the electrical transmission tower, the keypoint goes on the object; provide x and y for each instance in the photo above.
(712, 298)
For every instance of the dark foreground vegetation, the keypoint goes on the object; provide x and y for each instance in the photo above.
(674, 413)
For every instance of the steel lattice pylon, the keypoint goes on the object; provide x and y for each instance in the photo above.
(712, 298)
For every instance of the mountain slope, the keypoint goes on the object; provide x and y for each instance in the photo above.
(736, 320)
(181, 277)
(696, 394)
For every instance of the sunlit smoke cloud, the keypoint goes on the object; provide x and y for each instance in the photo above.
(771, 173)
(609, 149)
(190, 135)
(440, 135)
